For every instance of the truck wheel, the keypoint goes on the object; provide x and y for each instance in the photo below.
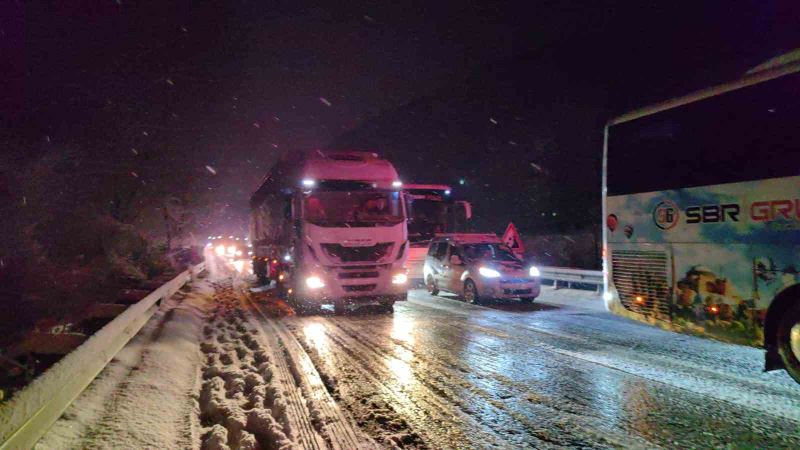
(471, 292)
(431, 286)
(789, 341)
(387, 308)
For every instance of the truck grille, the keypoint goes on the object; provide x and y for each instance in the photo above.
(357, 254)
(352, 275)
(359, 287)
(642, 274)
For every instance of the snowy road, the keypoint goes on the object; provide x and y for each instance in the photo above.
(443, 374)
(223, 367)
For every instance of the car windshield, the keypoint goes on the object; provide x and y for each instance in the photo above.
(495, 252)
(353, 208)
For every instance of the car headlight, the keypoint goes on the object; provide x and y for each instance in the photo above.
(399, 278)
(315, 282)
(534, 272)
(488, 273)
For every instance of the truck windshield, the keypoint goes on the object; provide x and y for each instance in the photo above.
(353, 208)
(495, 252)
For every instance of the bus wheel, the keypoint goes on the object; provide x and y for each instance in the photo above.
(431, 285)
(789, 341)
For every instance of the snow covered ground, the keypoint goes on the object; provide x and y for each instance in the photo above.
(225, 367)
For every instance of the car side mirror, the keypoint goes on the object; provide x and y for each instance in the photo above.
(455, 260)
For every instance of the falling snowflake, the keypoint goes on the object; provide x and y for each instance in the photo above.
(134, 151)
(24, 200)
(169, 82)
(512, 142)
(256, 124)
(134, 175)
(492, 119)
(537, 167)
(368, 18)
(145, 133)
(275, 145)
(276, 118)
(184, 29)
(212, 170)
(47, 138)
(325, 101)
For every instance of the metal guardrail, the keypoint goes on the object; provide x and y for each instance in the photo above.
(569, 276)
(30, 413)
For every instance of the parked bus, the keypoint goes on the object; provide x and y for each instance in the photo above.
(431, 210)
(701, 200)
(330, 227)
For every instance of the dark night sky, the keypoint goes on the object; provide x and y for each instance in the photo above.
(232, 84)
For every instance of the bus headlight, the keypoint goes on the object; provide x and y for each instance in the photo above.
(534, 272)
(315, 282)
(488, 273)
(399, 278)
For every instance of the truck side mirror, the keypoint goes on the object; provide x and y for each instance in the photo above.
(455, 260)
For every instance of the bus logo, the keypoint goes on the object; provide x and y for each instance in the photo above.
(666, 215)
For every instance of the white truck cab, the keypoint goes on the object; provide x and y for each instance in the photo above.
(336, 223)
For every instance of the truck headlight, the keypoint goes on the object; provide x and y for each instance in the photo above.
(534, 272)
(220, 250)
(488, 273)
(315, 282)
(399, 278)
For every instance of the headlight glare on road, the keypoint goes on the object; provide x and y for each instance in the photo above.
(534, 272)
(220, 250)
(399, 278)
(314, 282)
(488, 273)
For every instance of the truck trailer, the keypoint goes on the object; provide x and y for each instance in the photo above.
(329, 227)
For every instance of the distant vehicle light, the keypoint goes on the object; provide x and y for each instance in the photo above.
(397, 184)
(447, 192)
(314, 282)
(245, 238)
(249, 245)
(249, 253)
(280, 277)
(238, 253)
(230, 237)
(237, 239)
(220, 250)
(309, 183)
(210, 238)
(219, 237)
(399, 278)
(232, 250)
(607, 296)
(287, 257)
(488, 273)
(208, 244)
(534, 272)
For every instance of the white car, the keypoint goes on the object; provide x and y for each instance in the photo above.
(478, 266)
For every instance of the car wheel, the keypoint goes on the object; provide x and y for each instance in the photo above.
(430, 284)
(527, 300)
(789, 341)
(471, 292)
(339, 307)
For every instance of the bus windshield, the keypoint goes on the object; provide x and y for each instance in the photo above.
(426, 218)
(747, 134)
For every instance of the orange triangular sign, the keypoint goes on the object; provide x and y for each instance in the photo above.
(512, 240)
